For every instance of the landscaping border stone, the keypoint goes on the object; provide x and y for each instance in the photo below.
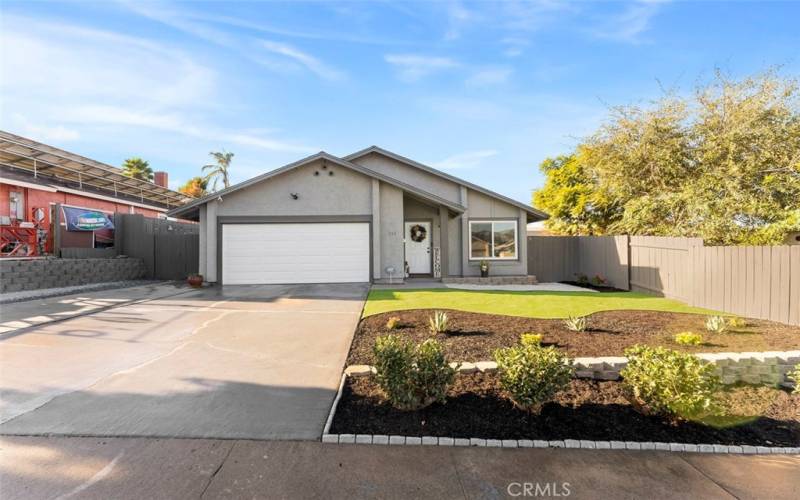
(771, 368)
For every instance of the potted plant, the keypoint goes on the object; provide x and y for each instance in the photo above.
(195, 280)
(484, 269)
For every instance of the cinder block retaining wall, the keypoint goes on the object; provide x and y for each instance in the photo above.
(35, 274)
(768, 368)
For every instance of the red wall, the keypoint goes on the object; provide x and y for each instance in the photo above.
(35, 198)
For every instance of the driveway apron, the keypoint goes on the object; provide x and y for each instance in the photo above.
(253, 362)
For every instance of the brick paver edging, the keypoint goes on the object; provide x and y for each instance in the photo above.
(615, 363)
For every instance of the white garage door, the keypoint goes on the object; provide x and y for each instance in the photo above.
(295, 253)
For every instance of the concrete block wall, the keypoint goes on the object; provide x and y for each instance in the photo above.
(35, 274)
(769, 368)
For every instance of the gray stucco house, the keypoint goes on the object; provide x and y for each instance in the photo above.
(370, 216)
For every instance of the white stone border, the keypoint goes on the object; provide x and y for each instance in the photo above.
(490, 366)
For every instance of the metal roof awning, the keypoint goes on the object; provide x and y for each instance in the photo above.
(25, 154)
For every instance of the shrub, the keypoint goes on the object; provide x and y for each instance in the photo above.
(531, 338)
(669, 383)
(412, 377)
(794, 375)
(576, 324)
(689, 338)
(715, 324)
(599, 280)
(393, 323)
(581, 278)
(531, 374)
(737, 322)
(438, 322)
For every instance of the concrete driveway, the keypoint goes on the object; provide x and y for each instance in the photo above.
(258, 362)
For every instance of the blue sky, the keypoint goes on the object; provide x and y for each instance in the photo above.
(484, 91)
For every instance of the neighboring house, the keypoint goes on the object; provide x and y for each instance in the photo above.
(35, 178)
(370, 216)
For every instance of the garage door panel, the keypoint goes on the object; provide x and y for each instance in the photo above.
(295, 253)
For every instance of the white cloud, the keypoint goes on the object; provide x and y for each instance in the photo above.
(629, 25)
(469, 159)
(310, 62)
(68, 79)
(489, 76)
(412, 67)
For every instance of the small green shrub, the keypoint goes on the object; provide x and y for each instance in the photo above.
(412, 377)
(393, 323)
(689, 338)
(794, 375)
(669, 383)
(737, 322)
(438, 323)
(599, 280)
(581, 278)
(531, 374)
(531, 338)
(716, 324)
(576, 324)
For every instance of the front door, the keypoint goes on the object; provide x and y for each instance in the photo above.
(418, 247)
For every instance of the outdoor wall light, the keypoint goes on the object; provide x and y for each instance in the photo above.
(294, 196)
(330, 172)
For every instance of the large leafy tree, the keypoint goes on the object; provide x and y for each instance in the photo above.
(722, 164)
(137, 168)
(218, 171)
(195, 187)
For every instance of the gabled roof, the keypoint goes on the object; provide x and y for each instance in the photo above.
(407, 161)
(322, 155)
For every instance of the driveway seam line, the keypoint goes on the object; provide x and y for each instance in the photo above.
(693, 466)
(458, 476)
(214, 474)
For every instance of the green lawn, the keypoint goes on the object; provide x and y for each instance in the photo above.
(527, 304)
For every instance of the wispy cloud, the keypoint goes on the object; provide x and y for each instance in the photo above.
(68, 78)
(489, 76)
(308, 61)
(458, 17)
(631, 23)
(469, 159)
(412, 67)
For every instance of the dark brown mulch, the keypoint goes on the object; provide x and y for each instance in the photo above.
(586, 410)
(606, 289)
(473, 336)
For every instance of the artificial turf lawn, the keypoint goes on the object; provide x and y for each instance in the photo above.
(526, 304)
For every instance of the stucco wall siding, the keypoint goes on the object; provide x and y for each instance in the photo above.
(391, 205)
(412, 176)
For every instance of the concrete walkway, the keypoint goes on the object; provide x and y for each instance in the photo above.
(260, 362)
(94, 468)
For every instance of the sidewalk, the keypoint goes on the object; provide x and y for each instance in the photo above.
(39, 467)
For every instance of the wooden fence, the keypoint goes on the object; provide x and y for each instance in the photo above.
(561, 258)
(169, 249)
(756, 282)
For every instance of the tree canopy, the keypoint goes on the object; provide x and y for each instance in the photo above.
(219, 169)
(722, 164)
(195, 187)
(137, 168)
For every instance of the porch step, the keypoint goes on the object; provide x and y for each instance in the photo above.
(492, 280)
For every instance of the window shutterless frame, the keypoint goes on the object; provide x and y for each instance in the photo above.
(515, 222)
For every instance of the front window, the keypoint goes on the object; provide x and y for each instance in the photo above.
(493, 239)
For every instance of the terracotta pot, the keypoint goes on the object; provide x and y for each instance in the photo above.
(195, 280)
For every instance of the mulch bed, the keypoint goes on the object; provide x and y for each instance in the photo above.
(473, 336)
(601, 289)
(586, 410)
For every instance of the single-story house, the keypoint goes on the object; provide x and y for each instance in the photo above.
(369, 216)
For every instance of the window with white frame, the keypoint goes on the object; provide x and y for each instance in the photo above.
(493, 239)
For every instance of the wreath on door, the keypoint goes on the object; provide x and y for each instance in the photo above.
(418, 233)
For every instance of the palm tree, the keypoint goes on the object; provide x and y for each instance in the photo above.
(195, 187)
(137, 168)
(219, 170)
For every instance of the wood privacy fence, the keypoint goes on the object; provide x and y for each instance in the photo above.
(170, 250)
(757, 282)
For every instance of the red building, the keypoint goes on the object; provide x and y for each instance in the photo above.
(40, 184)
